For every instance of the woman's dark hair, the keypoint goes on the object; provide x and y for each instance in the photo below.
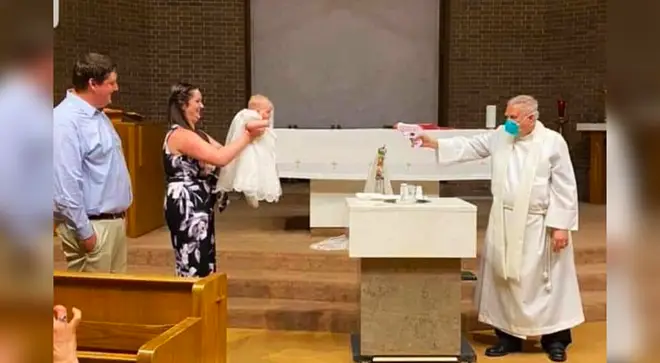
(180, 95)
(93, 66)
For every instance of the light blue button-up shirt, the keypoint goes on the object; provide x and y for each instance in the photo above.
(91, 176)
(26, 207)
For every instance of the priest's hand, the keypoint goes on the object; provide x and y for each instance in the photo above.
(559, 239)
(427, 141)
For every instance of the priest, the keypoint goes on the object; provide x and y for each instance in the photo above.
(528, 285)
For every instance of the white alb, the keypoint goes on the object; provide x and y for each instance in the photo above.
(254, 171)
(525, 288)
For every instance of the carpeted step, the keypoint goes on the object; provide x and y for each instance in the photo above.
(334, 286)
(590, 278)
(310, 286)
(327, 261)
(344, 287)
(274, 314)
(341, 317)
(585, 254)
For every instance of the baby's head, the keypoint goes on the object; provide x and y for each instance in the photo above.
(262, 105)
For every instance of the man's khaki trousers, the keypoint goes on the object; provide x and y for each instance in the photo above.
(109, 254)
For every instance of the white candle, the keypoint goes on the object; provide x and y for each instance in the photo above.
(491, 116)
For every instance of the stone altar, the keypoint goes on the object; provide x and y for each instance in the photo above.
(410, 265)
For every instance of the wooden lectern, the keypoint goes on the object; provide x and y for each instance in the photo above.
(410, 276)
(142, 144)
(597, 162)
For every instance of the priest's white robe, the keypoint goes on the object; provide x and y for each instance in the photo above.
(525, 289)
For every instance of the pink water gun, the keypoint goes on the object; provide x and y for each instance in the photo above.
(411, 132)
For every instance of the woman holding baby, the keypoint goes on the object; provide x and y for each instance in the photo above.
(191, 160)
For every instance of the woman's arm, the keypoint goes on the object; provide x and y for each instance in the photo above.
(213, 142)
(188, 143)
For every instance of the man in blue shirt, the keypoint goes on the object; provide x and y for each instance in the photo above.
(92, 188)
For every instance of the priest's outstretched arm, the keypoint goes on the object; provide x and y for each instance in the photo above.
(563, 199)
(460, 148)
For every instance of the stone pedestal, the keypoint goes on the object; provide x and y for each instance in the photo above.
(410, 263)
(410, 306)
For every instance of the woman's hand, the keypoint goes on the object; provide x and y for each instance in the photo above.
(207, 169)
(255, 126)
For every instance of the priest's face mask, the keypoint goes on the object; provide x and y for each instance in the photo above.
(518, 122)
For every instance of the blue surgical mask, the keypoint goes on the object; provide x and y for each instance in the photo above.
(511, 127)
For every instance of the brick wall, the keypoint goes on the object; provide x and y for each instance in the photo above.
(545, 48)
(576, 56)
(202, 42)
(156, 43)
(498, 48)
(115, 28)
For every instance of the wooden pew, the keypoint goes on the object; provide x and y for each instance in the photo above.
(153, 302)
(112, 342)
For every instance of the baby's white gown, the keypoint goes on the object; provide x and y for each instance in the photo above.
(254, 171)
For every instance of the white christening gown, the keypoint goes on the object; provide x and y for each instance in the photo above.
(254, 171)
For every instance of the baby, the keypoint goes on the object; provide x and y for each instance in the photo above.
(263, 106)
(254, 171)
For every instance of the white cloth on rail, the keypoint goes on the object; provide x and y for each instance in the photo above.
(325, 158)
(254, 171)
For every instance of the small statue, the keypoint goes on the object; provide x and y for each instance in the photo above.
(377, 180)
(380, 161)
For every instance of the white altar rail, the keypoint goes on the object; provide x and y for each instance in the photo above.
(337, 163)
(347, 154)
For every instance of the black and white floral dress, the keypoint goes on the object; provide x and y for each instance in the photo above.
(189, 212)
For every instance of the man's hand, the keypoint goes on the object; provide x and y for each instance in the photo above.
(428, 141)
(64, 335)
(559, 239)
(89, 243)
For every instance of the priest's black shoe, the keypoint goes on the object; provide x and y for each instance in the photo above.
(557, 354)
(500, 350)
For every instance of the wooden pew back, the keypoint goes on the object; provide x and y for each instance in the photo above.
(110, 342)
(156, 302)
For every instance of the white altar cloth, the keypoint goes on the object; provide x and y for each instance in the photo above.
(337, 163)
(347, 154)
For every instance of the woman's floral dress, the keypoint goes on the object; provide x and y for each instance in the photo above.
(189, 204)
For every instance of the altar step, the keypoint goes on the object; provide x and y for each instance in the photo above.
(331, 287)
(162, 257)
(343, 317)
(329, 301)
(344, 287)
(279, 283)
